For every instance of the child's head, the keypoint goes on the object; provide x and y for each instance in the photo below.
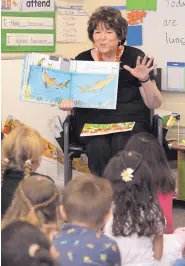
(22, 149)
(36, 200)
(24, 244)
(87, 201)
(136, 209)
(154, 154)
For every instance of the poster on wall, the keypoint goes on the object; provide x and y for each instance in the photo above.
(71, 24)
(27, 26)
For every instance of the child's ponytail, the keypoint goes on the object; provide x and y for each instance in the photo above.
(4, 165)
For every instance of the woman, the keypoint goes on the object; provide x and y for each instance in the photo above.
(137, 91)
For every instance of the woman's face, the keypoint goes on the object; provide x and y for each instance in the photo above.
(105, 39)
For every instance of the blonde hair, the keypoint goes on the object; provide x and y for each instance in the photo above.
(36, 200)
(21, 149)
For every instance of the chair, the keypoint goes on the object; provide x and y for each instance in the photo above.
(72, 149)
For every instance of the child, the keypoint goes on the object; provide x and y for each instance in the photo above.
(21, 153)
(152, 152)
(36, 200)
(137, 223)
(23, 244)
(86, 206)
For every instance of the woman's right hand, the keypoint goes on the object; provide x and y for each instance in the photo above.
(66, 105)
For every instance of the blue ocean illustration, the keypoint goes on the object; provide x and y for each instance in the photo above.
(49, 84)
(95, 90)
(86, 90)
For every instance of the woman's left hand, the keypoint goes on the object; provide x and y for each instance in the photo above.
(142, 69)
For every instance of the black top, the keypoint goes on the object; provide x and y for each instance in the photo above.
(12, 178)
(130, 105)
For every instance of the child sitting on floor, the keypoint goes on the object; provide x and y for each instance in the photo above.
(137, 223)
(24, 244)
(86, 206)
(36, 200)
(154, 154)
(21, 154)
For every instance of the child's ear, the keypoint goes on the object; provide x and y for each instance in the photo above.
(107, 216)
(63, 212)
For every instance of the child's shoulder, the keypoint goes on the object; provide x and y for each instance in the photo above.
(107, 242)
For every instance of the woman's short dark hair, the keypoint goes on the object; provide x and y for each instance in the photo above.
(153, 153)
(135, 205)
(111, 18)
(17, 240)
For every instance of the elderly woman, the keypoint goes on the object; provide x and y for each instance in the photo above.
(137, 90)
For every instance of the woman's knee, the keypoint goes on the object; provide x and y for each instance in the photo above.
(99, 145)
(119, 141)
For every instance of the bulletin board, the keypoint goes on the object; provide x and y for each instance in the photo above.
(72, 49)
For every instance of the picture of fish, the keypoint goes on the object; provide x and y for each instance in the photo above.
(100, 85)
(48, 81)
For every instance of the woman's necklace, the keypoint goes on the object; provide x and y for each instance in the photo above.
(118, 54)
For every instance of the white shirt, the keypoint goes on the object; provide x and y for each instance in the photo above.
(134, 250)
(138, 251)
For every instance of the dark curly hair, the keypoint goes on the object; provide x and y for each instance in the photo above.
(136, 209)
(153, 153)
(111, 18)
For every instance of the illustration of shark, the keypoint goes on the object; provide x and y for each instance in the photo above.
(51, 81)
(99, 84)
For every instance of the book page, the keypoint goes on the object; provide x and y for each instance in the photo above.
(94, 67)
(47, 85)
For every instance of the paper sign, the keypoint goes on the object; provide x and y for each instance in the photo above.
(176, 76)
(142, 4)
(134, 36)
(29, 39)
(37, 5)
(32, 23)
(28, 31)
(71, 24)
(28, 5)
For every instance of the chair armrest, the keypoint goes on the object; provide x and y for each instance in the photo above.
(68, 118)
(158, 128)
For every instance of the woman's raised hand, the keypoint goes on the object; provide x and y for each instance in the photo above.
(66, 105)
(142, 69)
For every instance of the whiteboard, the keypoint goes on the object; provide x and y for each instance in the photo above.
(164, 35)
(32, 114)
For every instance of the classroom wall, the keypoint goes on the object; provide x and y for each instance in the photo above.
(38, 115)
(175, 101)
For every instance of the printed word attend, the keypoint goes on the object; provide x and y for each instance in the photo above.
(35, 3)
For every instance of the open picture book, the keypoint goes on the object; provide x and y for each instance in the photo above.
(50, 79)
